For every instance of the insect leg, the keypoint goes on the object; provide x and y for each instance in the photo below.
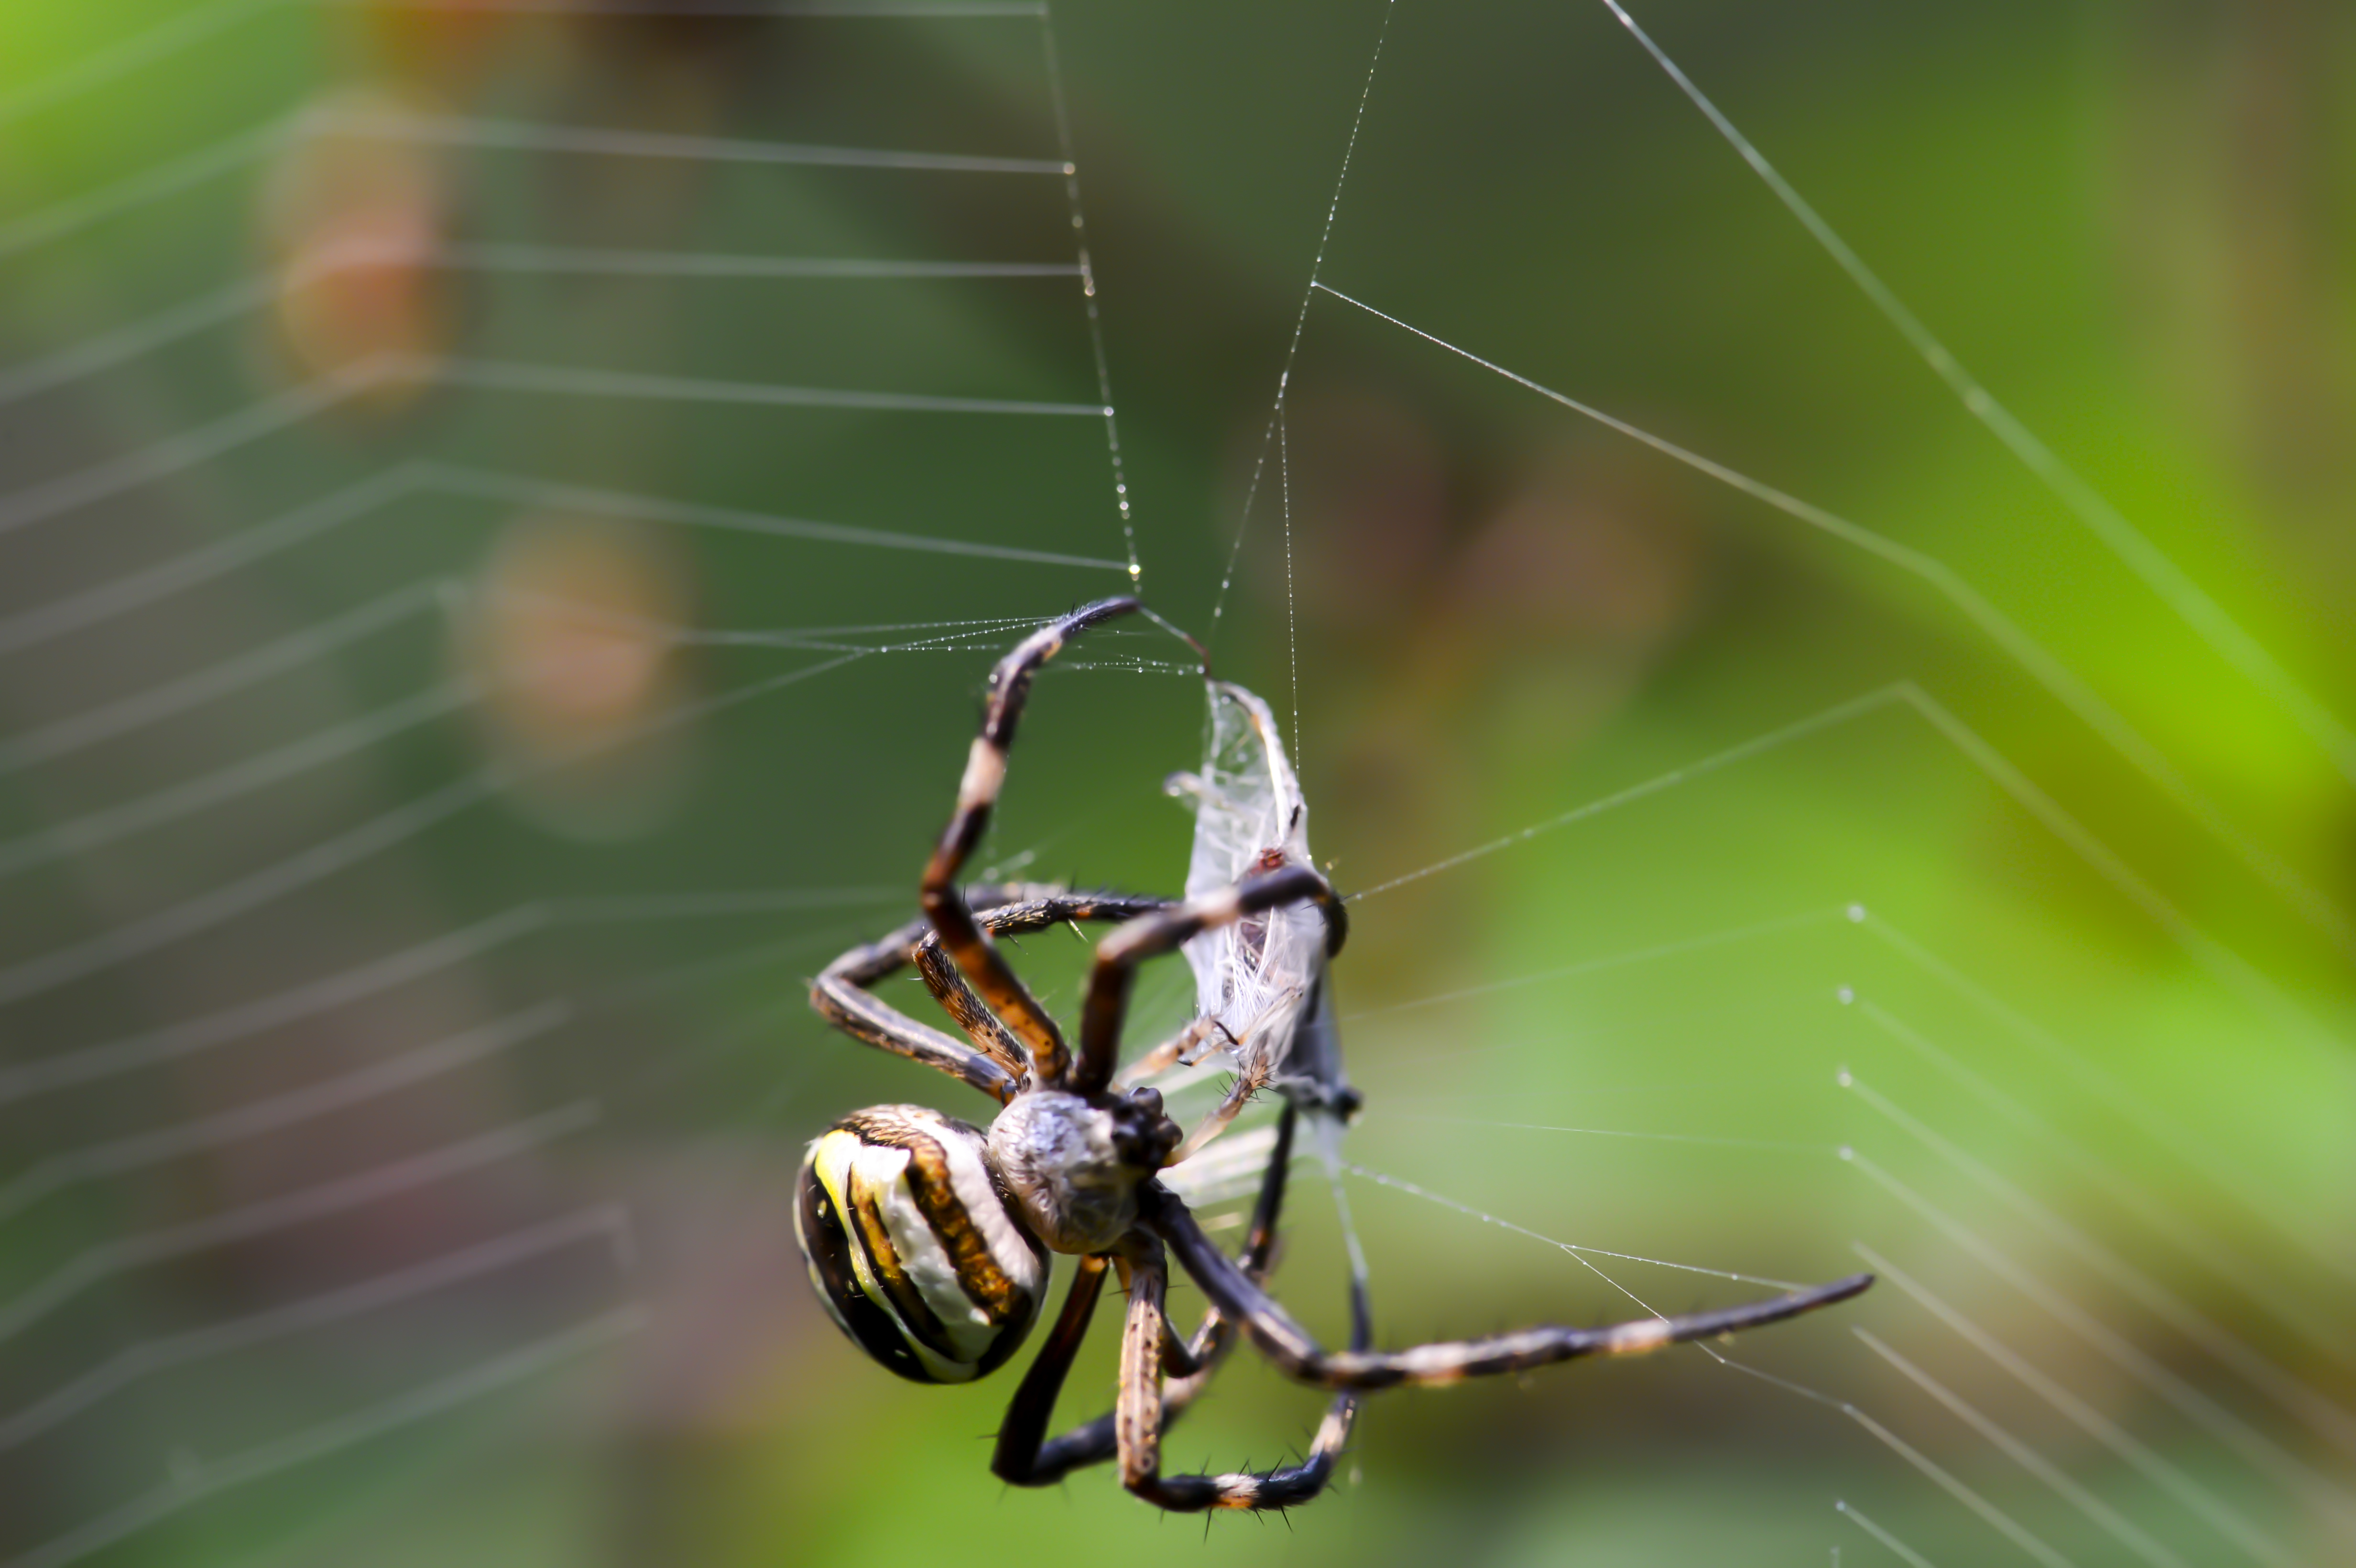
(1166, 1055)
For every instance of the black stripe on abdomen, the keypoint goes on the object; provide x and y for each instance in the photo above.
(908, 1303)
(826, 1243)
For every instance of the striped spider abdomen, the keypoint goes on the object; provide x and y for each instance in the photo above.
(911, 1247)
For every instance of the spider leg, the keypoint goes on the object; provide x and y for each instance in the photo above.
(1288, 1345)
(960, 1001)
(1138, 1419)
(985, 771)
(1025, 908)
(866, 1018)
(995, 1064)
(839, 994)
(1149, 937)
(1095, 1442)
(1021, 1457)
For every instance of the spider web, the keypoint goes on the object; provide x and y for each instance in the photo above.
(432, 768)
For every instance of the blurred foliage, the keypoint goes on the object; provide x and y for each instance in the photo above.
(2132, 222)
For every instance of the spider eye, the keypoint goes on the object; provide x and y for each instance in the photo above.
(912, 1249)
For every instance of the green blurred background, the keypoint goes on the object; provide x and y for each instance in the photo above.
(443, 735)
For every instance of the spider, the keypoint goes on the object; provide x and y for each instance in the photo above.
(928, 1238)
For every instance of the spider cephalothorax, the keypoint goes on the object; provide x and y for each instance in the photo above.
(928, 1238)
(1074, 1163)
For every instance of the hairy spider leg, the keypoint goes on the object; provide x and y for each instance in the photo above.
(1038, 908)
(1177, 1358)
(1138, 1418)
(840, 996)
(1024, 1456)
(840, 993)
(1290, 1345)
(985, 773)
(958, 999)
